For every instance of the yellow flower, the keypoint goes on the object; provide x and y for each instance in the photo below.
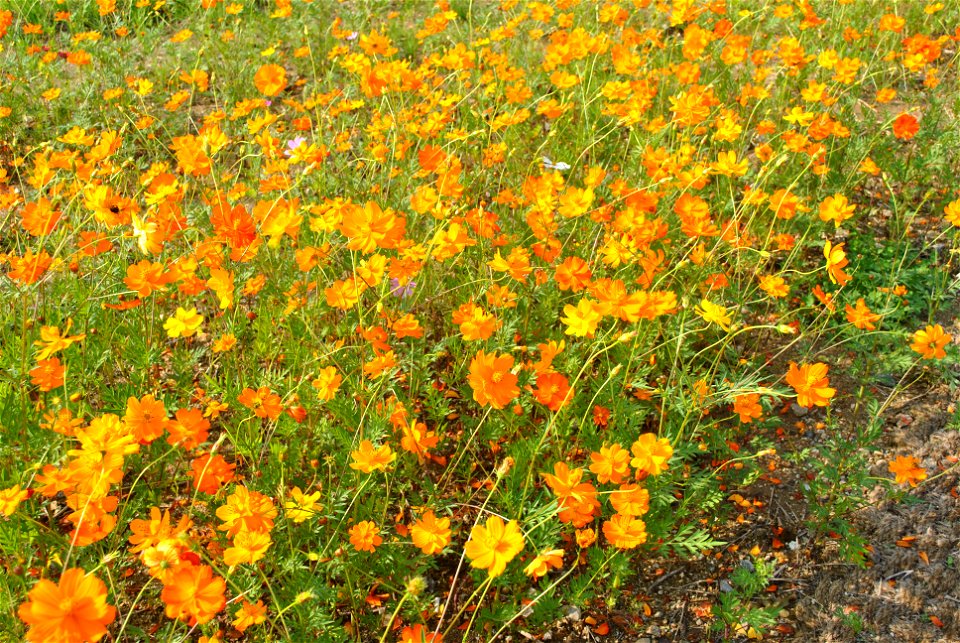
(53, 341)
(651, 455)
(327, 383)
(184, 323)
(301, 506)
(493, 545)
(10, 499)
(581, 320)
(714, 314)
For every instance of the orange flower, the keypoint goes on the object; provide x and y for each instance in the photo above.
(553, 390)
(585, 537)
(270, 79)
(651, 455)
(39, 218)
(836, 208)
(625, 532)
(431, 534)
(774, 285)
(611, 464)
(149, 533)
(907, 469)
(952, 212)
(748, 407)
(540, 565)
(811, 384)
(631, 500)
(146, 277)
(365, 536)
(53, 341)
(475, 323)
(48, 374)
(146, 418)
(189, 429)
(419, 634)
(930, 342)
(861, 316)
(250, 614)
(573, 274)
(836, 262)
(72, 611)
(491, 379)
(905, 127)
(367, 458)
(493, 545)
(30, 267)
(246, 511)
(193, 593)
(263, 402)
(301, 506)
(209, 472)
(577, 500)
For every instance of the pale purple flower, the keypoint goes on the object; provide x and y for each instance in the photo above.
(401, 291)
(293, 145)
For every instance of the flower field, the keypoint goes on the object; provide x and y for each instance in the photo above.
(477, 320)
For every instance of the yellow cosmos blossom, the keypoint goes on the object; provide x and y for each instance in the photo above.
(185, 323)
(714, 314)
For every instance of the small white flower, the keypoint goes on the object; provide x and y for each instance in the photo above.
(559, 165)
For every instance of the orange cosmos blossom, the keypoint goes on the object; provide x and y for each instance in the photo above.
(146, 418)
(30, 267)
(625, 532)
(48, 374)
(246, 511)
(194, 593)
(74, 610)
(263, 402)
(419, 634)
(747, 406)
(952, 212)
(930, 342)
(250, 614)
(907, 469)
(365, 536)
(836, 262)
(270, 79)
(811, 384)
(905, 126)
(553, 390)
(541, 565)
(248, 547)
(610, 464)
(493, 545)
(367, 458)
(149, 533)
(491, 379)
(431, 534)
(209, 472)
(327, 383)
(576, 500)
(861, 316)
